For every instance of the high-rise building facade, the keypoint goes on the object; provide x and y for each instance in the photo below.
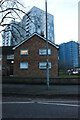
(6, 37)
(12, 34)
(68, 55)
(79, 31)
(79, 55)
(34, 21)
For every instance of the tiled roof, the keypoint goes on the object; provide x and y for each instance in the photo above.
(56, 46)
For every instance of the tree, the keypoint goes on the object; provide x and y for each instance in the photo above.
(12, 10)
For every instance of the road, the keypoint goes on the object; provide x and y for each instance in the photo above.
(19, 107)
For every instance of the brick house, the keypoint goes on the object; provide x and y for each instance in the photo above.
(7, 60)
(30, 58)
(0, 62)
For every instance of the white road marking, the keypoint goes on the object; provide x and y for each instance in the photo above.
(64, 101)
(16, 102)
(52, 103)
(61, 104)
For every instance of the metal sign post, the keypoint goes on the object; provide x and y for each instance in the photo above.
(47, 48)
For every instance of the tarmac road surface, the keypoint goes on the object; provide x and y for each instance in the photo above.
(19, 107)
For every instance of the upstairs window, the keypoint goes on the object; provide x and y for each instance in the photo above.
(44, 52)
(24, 52)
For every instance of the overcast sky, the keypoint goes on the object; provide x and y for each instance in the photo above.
(65, 17)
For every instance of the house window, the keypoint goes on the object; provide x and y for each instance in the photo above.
(43, 52)
(24, 52)
(42, 65)
(24, 65)
(10, 57)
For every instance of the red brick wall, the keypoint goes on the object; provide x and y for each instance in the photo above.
(33, 45)
(4, 65)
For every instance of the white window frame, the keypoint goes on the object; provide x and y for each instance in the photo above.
(24, 50)
(43, 65)
(10, 57)
(43, 52)
(23, 66)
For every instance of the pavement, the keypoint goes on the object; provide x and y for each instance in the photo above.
(54, 91)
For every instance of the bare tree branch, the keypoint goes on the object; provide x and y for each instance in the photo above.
(18, 31)
(17, 14)
(5, 16)
(11, 30)
(10, 9)
(17, 10)
(15, 1)
(16, 25)
(4, 30)
(13, 35)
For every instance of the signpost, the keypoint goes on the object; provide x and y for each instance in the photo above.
(47, 65)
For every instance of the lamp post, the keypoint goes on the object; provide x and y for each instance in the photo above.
(47, 65)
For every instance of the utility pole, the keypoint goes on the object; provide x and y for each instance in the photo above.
(47, 65)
